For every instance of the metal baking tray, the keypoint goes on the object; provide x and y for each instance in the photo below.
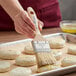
(57, 72)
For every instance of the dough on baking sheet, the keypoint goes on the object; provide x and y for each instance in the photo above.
(48, 67)
(4, 66)
(72, 50)
(57, 54)
(69, 60)
(29, 49)
(21, 71)
(56, 43)
(34, 68)
(9, 54)
(26, 60)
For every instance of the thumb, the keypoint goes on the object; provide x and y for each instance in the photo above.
(40, 24)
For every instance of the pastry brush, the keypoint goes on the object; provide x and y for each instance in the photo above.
(41, 46)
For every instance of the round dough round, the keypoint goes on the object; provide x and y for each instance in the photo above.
(47, 68)
(4, 66)
(20, 71)
(9, 54)
(69, 60)
(26, 60)
(29, 49)
(72, 50)
(56, 43)
(57, 54)
(34, 68)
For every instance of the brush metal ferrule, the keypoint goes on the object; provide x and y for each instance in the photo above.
(41, 46)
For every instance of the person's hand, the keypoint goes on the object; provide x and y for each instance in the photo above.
(24, 24)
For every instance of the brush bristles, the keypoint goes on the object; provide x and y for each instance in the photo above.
(45, 58)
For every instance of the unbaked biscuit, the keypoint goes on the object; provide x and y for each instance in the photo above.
(34, 68)
(21, 71)
(69, 60)
(48, 67)
(9, 54)
(72, 50)
(29, 49)
(56, 43)
(57, 54)
(26, 60)
(4, 66)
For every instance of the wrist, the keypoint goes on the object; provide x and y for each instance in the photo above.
(15, 13)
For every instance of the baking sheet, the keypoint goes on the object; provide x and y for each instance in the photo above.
(19, 45)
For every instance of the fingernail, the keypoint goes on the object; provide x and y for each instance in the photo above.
(42, 24)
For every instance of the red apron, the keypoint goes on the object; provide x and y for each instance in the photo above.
(47, 11)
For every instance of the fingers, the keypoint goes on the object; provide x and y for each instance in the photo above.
(22, 31)
(24, 25)
(28, 20)
(28, 30)
(23, 28)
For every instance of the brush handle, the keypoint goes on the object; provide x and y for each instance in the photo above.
(33, 17)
